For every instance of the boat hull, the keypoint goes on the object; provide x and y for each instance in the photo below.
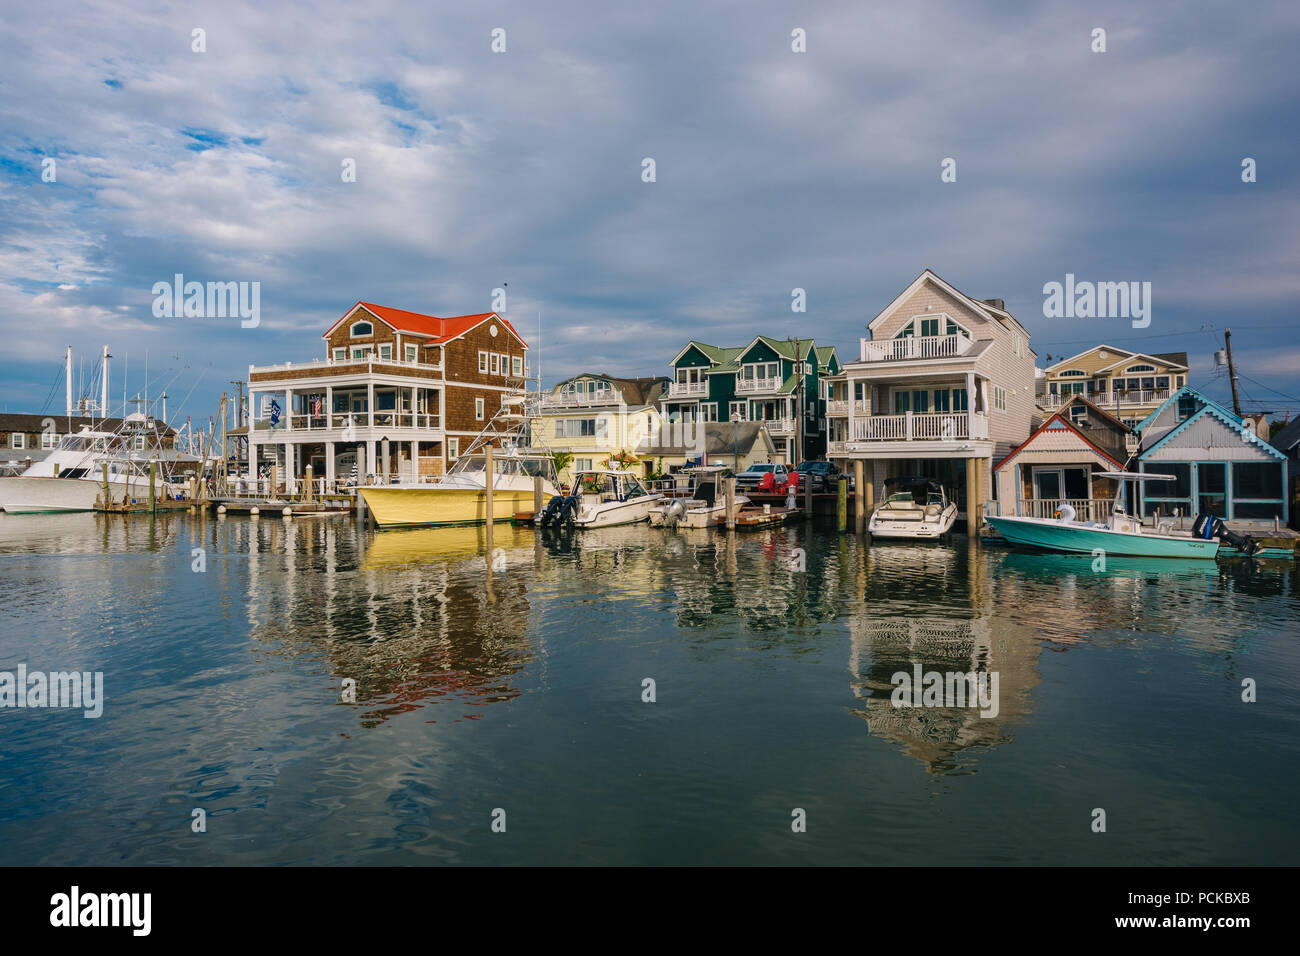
(915, 529)
(28, 495)
(1076, 539)
(608, 514)
(433, 505)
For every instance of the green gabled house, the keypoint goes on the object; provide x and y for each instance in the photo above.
(779, 382)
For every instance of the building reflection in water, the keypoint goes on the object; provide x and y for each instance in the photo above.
(415, 618)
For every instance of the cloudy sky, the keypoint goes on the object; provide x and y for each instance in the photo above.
(774, 170)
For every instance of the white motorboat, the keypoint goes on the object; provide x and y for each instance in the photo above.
(705, 507)
(601, 499)
(914, 508)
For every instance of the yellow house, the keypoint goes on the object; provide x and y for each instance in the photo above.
(1128, 385)
(593, 416)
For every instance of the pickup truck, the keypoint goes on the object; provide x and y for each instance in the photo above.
(749, 479)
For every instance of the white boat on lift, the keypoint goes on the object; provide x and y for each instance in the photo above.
(706, 506)
(914, 508)
(601, 499)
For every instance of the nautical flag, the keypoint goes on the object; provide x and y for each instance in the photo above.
(275, 413)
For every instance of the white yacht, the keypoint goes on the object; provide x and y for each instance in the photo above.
(914, 508)
(71, 478)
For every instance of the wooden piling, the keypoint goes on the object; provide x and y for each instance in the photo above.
(104, 472)
(859, 497)
(807, 500)
(488, 514)
(537, 496)
(731, 503)
(842, 503)
(153, 486)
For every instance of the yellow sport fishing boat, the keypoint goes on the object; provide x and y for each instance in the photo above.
(460, 496)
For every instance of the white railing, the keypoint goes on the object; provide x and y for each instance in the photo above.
(915, 347)
(384, 419)
(577, 400)
(914, 427)
(778, 426)
(686, 389)
(837, 448)
(861, 407)
(328, 365)
(1107, 400)
(757, 384)
(1085, 509)
(837, 406)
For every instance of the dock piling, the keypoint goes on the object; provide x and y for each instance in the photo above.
(731, 503)
(488, 475)
(842, 503)
(153, 485)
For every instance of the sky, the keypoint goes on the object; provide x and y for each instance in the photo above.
(523, 169)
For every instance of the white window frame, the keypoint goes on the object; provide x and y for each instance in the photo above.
(517, 365)
(453, 449)
(411, 353)
(482, 361)
(708, 411)
(479, 409)
(49, 440)
(494, 362)
(743, 407)
(17, 439)
(999, 398)
(386, 351)
(340, 354)
(361, 353)
(352, 329)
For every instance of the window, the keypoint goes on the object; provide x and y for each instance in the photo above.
(412, 353)
(517, 366)
(580, 427)
(505, 364)
(1181, 381)
(709, 412)
(478, 408)
(1132, 369)
(1020, 345)
(582, 464)
(49, 440)
(930, 326)
(959, 399)
(386, 351)
(1168, 496)
(483, 362)
(360, 330)
(741, 408)
(1257, 489)
(139, 443)
(361, 352)
(18, 440)
(453, 448)
(1186, 407)
(1071, 373)
(760, 370)
(999, 398)
(902, 402)
(920, 402)
(340, 355)
(494, 363)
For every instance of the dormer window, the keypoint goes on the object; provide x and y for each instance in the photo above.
(361, 330)
(1140, 368)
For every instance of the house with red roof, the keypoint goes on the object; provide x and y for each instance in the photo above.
(1059, 463)
(428, 384)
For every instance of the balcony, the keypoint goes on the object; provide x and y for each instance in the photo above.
(581, 399)
(837, 448)
(915, 347)
(420, 421)
(371, 365)
(1107, 400)
(912, 427)
(778, 426)
(687, 389)
(751, 385)
(837, 407)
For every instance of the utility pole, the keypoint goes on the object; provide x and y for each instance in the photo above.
(1232, 371)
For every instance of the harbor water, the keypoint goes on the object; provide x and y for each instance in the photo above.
(310, 692)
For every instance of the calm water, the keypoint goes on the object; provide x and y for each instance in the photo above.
(522, 690)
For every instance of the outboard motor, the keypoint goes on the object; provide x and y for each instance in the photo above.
(1208, 526)
(568, 511)
(551, 513)
(673, 514)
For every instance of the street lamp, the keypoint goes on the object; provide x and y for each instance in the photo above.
(735, 430)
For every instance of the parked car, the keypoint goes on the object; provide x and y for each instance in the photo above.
(749, 479)
(822, 474)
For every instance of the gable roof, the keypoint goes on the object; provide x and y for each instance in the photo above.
(438, 329)
(1186, 390)
(1209, 408)
(645, 390)
(1089, 351)
(988, 308)
(1062, 419)
(1288, 437)
(1138, 356)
